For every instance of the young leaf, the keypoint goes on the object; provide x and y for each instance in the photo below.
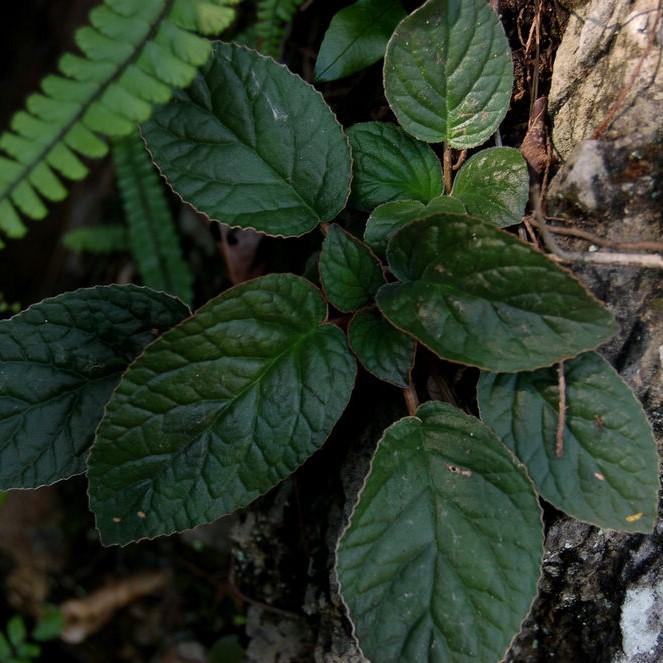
(448, 72)
(349, 272)
(219, 410)
(477, 295)
(382, 350)
(608, 473)
(386, 219)
(59, 362)
(389, 165)
(252, 145)
(494, 185)
(357, 37)
(134, 53)
(441, 557)
(16, 630)
(152, 236)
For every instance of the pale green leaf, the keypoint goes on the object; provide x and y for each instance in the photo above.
(440, 561)
(608, 474)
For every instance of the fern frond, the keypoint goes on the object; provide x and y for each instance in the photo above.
(133, 53)
(152, 237)
(98, 239)
(274, 18)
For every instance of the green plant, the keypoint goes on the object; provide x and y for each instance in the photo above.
(441, 556)
(16, 646)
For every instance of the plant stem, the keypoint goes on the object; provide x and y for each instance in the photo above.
(411, 399)
(561, 417)
(447, 168)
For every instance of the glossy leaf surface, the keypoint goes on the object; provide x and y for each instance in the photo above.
(349, 272)
(386, 219)
(608, 473)
(441, 557)
(494, 185)
(382, 349)
(390, 165)
(219, 410)
(448, 72)
(252, 145)
(59, 363)
(357, 37)
(477, 295)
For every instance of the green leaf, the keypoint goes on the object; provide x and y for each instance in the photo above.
(608, 473)
(390, 165)
(132, 54)
(441, 557)
(477, 295)
(356, 38)
(273, 20)
(382, 350)
(227, 650)
(59, 362)
(97, 239)
(49, 626)
(252, 145)
(5, 648)
(386, 219)
(448, 72)
(152, 235)
(494, 185)
(16, 630)
(349, 272)
(219, 410)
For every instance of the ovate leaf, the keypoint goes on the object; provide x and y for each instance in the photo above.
(477, 295)
(390, 165)
(448, 72)
(494, 185)
(441, 557)
(386, 219)
(357, 37)
(349, 272)
(608, 472)
(59, 362)
(382, 349)
(219, 410)
(252, 145)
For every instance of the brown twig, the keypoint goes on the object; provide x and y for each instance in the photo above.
(601, 241)
(561, 416)
(461, 160)
(411, 399)
(447, 169)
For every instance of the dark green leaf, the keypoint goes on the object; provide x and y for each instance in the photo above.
(477, 295)
(49, 626)
(5, 648)
(390, 165)
(608, 473)
(441, 557)
(357, 37)
(382, 350)
(349, 272)
(252, 145)
(227, 650)
(390, 217)
(448, 72)
(59, 363)
(494, 185)
(219, 410)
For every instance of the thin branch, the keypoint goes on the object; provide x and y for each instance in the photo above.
(411, 399)
(447, 169)
(601, 241)
(561, 416)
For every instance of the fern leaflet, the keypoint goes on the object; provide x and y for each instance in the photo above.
(134, 53)
(152, 237)
(98, 239)
(274, 17)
